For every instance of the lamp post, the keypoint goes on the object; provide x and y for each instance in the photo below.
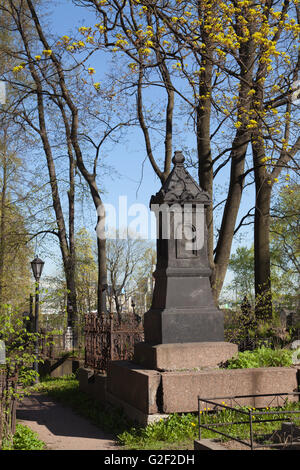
(37, 266)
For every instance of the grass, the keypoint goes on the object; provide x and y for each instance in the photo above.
(264, 425)
(261, 357)
(176, 432)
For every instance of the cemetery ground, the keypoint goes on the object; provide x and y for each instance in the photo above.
(62, 417)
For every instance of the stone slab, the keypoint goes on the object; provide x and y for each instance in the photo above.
(180, 391)
(208, 444)
(59, 367)
(152, 392)
(84, 375)
(133, 413)
(134, 385)
(182, 356)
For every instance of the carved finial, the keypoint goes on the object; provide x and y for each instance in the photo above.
(178, 157)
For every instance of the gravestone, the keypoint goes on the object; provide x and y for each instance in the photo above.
(2, 92)
(68, 339)
(183, 309)
(2, 353)
(184, 334)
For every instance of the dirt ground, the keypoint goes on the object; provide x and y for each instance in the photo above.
(59, 427)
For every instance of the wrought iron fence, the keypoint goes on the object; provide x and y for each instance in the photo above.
(221, 415)
(249, 344)
(8, 384)
(110, 337)
(51, 345)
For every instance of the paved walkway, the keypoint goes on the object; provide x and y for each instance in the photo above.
(59, 427)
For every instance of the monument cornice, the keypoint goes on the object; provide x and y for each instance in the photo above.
(180, 187)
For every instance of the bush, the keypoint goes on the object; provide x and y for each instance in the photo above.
(261, 357)
(24, 439)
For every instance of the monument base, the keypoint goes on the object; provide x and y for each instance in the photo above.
(183, 325)
(145, 395)
(183, 356)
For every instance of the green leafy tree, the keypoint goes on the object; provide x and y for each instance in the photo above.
(285, 246)
(86, 273)
(20, 346)
(241, 265)
(14, 251)
(284, 255)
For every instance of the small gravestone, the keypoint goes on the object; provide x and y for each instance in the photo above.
(69, 339)
(295, 344)
(2, 92)
(2, 353)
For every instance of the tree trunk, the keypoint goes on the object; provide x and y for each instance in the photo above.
(67, 249)
(262, 273)
(236, 182)
(203, 129)
(89, 177)
(102, 276)
(3, 224)
(232, 205)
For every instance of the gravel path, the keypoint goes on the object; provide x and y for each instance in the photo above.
(59, 427)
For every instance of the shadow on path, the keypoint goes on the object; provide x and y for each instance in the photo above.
(60, 427)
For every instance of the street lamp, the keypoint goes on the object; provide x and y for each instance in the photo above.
(37, 266)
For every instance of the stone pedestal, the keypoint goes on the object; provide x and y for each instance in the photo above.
(167, 378)
(183, 356)
(183, 325)
(147, 395)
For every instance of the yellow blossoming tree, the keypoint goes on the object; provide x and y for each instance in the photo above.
(232, 65)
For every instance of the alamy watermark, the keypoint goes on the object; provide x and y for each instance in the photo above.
(178, 222)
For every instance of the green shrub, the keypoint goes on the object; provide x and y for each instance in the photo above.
(261, 357)
(24, 439)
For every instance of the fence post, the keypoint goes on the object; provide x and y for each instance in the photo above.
(7, 403)
(111, 336)
(51, 347)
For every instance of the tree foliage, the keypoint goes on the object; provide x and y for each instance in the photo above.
(284, 251)
(231, 66)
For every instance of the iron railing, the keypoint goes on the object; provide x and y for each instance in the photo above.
(247, 416)
(110, 338)
(8, 403)
(51, 345)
